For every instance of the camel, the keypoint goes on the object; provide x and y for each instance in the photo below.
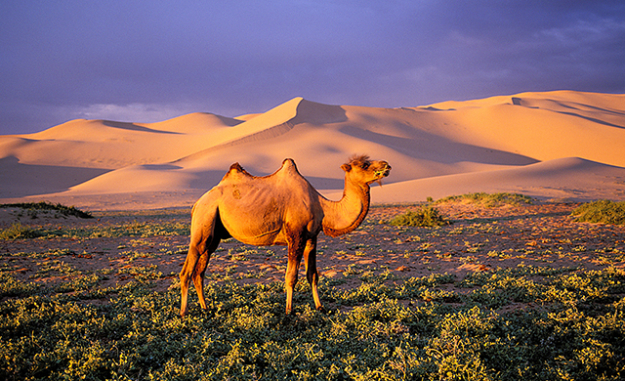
(280, 209)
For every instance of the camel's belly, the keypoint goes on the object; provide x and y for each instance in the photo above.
(261, 229)
(267, 239)
(254, 231)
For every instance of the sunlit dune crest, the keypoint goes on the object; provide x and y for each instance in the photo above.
(553, 145)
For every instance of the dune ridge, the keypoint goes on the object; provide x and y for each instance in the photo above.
(563, 145)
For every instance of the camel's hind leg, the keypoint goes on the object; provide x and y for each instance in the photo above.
(194, 267)
(200, 269)
(310, 259)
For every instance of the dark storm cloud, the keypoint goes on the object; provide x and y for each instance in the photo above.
(151, 60)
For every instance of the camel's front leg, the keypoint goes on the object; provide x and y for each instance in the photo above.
(310, 259)
(292, 269)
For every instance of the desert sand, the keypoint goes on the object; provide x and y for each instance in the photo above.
(562, 145)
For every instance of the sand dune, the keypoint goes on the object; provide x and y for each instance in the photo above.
(551, 145)
(558, 179)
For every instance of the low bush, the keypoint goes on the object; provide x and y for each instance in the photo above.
(489, 200)
(602, 211)
(9, 286)
(423, 217)
(33, 207)
(18, 231)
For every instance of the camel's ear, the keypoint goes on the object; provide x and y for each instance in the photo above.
(346, 167)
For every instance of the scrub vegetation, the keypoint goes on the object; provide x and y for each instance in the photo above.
(518, 292)
(426, 216)
(34, 209)
(602, 211)
(489, 199)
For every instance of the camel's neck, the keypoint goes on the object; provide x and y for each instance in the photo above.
(341, 217)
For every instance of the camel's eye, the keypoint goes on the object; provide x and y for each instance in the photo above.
(364, 166)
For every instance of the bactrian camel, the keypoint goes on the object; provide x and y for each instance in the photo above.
(279, 209)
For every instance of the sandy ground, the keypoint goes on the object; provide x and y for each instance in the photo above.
(480, 239)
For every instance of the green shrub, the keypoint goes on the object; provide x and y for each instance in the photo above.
(602, 211)
(32, 207)
(423, 217)
(489, 200)
(17, 231)
(9, 286)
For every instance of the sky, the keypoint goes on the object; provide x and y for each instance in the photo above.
(147, 61)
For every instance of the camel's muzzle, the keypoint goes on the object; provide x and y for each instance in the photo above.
(384, 171)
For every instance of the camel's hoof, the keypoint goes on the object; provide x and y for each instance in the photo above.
(321, 309)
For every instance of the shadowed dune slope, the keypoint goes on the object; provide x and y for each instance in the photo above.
(560, 144)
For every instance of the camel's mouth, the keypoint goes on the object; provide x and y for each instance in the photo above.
(385, 172)
(382, 172)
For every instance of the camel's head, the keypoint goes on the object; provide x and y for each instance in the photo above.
(363, 170)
